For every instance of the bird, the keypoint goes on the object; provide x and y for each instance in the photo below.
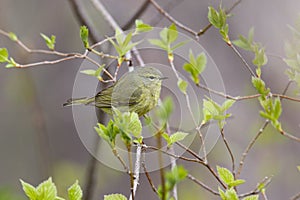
(136, 91)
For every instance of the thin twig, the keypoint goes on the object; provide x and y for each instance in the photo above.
(190, 110)
(229, 151)
(172, 19)
(242, 59)
(115, 152)
(161, 165)
(137, 15)
(250, 145)
(266, 181)
(146, 171)
(296, 196)
(198, 182)
(167, 8)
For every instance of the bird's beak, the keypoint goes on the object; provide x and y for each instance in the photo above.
(162, 78)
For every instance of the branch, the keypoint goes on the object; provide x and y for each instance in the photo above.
(266, 181)
(242, 59)
(136, 170)
(250, 145)
(173, 20)
(198, 182)
(146, 171)
(229, 151)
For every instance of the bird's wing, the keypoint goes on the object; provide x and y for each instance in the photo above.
(122, 95)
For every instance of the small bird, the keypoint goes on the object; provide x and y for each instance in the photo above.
(137, 91)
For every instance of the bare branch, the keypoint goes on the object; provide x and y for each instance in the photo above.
(250, 145)
(198, 182)
(169, 17)
(229, 151)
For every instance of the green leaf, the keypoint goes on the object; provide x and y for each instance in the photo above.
(118, 49)
(227, 104)
(260, 58)
(50, 42)
(166, 137)
(89, 72)
(176, 137)
(29, 190)
(217, 19)
(75, 192)
(135, 125)
(13, 36)
(225, 175)
(182, 85)
(231, 194)
(260, 86)
(222, 194)
(213, 17)
(3, 55)
(127, 39)
(164, 35)
(47, 190)
(277, 108)
(115, 197)
(141, 27)
(84, 35)
(236, 183)
(158, 43)
(172, 33)
(195, 66)
(298, 167)
(243, 43)
(108, 133)
(119, 37)
(252, 197)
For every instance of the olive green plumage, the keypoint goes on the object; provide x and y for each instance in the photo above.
(137, 91)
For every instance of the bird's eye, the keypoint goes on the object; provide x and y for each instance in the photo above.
(151, 78)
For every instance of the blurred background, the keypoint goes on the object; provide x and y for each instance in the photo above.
(38, 136)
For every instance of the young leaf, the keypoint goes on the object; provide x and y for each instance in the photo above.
(159, 43)
(225, 175)
(236, 183)
(260, 57)
(115, 197)
(47, 190)
(50, 42)
(89, 72)
(176, 137)
(3, 55)
(231, 194)
(182, 85)
(29, 190)
(75, 192)
(13, 36)
(195, 66)
(252, 197)
(298, 167)
(84, 35)
(222, 194)
(227, 104)
(141, 27)
(135, 125)
(172, 34)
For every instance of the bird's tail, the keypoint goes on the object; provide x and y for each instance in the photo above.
(84, 100)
